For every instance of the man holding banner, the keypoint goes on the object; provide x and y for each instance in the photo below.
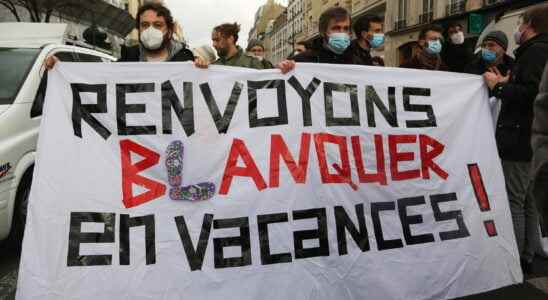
(329, 182)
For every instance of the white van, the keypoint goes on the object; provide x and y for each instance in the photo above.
(23, 49)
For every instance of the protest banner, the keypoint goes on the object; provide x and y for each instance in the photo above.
(164, 181)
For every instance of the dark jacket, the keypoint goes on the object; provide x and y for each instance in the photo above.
(423, 61)
(456, 57)
(133, 54)
(359, 55)
(516, 116)
(539, 142)
(320, 54)
(478, 66)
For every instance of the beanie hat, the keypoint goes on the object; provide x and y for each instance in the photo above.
(498, 37)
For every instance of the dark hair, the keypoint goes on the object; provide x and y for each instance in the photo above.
(537, 17)
(228, 30)
(364, 22)
(303, 43)
(454, 24)
(161, 11)
(337, 13)
(431, 27)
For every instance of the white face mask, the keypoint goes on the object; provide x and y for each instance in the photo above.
(457, 38)
(152, 38)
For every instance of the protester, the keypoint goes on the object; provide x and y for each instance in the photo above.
(300, 47)
(369, 35)
(334, 28)
(156, 27)
(540, 151)
(456, 54)
(517, 92)
(427, 56)
(205, 52)
(256, 48)
(492, 55)
(225, 37)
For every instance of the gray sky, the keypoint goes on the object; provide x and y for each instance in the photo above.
(199, 17)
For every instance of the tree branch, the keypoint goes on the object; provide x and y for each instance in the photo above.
(11, 7)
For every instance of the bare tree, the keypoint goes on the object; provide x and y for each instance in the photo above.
(38, 10)
(11, 7)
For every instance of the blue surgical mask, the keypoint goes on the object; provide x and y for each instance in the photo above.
(434, 47)
(377, 40)
(488, 55)
(338, 42)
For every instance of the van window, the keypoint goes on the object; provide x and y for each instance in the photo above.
(65, 56)
(14, 67)
(83, 57)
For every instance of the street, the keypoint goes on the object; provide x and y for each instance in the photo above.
(535, 287)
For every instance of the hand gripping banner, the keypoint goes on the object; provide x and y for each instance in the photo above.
(164, 181)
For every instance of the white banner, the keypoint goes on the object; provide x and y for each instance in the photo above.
(163, 181)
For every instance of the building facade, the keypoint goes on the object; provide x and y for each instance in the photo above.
(280, 42)
(263, 17)
(295, 15)
(405, 18)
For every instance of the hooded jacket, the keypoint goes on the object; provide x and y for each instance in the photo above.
(518, 95)
(176, 52)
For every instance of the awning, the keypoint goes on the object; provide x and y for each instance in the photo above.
(111, 18)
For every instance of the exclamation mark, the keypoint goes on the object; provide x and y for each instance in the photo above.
(481, 197)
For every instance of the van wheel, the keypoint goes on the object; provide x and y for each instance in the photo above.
(15, 238)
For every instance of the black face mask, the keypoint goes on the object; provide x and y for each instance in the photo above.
(222, 52)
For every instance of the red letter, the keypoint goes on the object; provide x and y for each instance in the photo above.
(130, 174)
(395, 157)
(239, 149)
(380, 176)
(279, 148)
(427, 158)
(344, 175)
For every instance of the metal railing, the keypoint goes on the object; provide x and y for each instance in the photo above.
(426, 17)
(456, 7)
(399, 25)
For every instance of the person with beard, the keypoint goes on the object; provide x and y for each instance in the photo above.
(156, 44)
(369, 35)
(256, 48)
(427, 55)
(224, 38)
(156, 27)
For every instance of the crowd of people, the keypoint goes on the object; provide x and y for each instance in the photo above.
(522, 127)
